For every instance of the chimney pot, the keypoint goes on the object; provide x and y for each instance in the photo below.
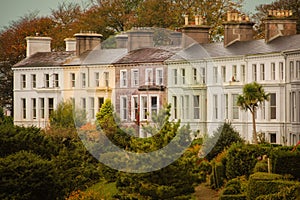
(186, 20)
(228, 16)
(196, 20)
(37, 44)
(70, 44)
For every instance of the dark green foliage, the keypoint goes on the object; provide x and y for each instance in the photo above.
(171, 182)
(25, 175)
(264, 184)
(223, 138)
(233, 197)
(286, 162)
(288, 193)
(241, 159)
(261, 166)
(235, 189)
(67, 116)
(48, 164)
(217, 176)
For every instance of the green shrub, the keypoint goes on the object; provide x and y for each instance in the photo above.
(286, 162)
(241, 159)
(233, 197)
(217, 177)
(290, 193)
(264, 184)
(222, 138)
(261, 166)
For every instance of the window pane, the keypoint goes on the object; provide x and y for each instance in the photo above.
(273, 105)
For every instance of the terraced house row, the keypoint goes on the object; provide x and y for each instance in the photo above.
(201, 80)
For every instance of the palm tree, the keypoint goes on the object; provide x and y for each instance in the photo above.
(253, 95)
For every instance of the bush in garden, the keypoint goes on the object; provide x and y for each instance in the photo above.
(261, 166)
(288, 193)
(264, 184)
(222, 138)
(235, 189)
(25, 175)
(217, 176)
(286, 162)
(233, 197)
(241, 159)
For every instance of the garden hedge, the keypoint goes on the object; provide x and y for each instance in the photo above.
(286, 162)
(265, 184)
(233, 197)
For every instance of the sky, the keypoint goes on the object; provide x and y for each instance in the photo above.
(11, 10)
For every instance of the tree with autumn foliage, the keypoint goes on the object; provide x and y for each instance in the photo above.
(262, 13)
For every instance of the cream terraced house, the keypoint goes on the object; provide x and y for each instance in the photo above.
(201, 80)
(44, 79)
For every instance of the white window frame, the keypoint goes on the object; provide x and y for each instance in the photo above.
(24, 108)
(273, 105)
(72, 80)
(196, 106)
(183, 76)
(175, 76)
(56, 80)
(135, 79)
(254, 72)
(281, 71)
(34, 109)
(92, 107)
(47, 80)
(42, 108)
(223, 68)
(215, 74)
(151, 108)
(83, 80)
(106, 79)
(124, 108)
(159, 76)
(243, 73)
(123, 78)
(215, 106)
(149, 76)
(33, 80)
(144, 112)
(273, 71)
(97, 79)
(235, 108)
(23, 81)
(262, 72)
(134, 108)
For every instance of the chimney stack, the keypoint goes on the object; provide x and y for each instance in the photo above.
(37, 44)
(197, 31)
(279, 23)
(140, 38)
(121, 41)
(87, 42)
(237, 28)
(70, 44)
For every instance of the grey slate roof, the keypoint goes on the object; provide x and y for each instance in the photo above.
(42, 59)
(100, 57)
(146, 55)
(151, 55)
(252, 47)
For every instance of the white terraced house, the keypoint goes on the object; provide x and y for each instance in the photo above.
(201, 80)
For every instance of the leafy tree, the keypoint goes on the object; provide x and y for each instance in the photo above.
(67, 116)
(262, 13)
(253, 95)
(25, 175)
(222, 138)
